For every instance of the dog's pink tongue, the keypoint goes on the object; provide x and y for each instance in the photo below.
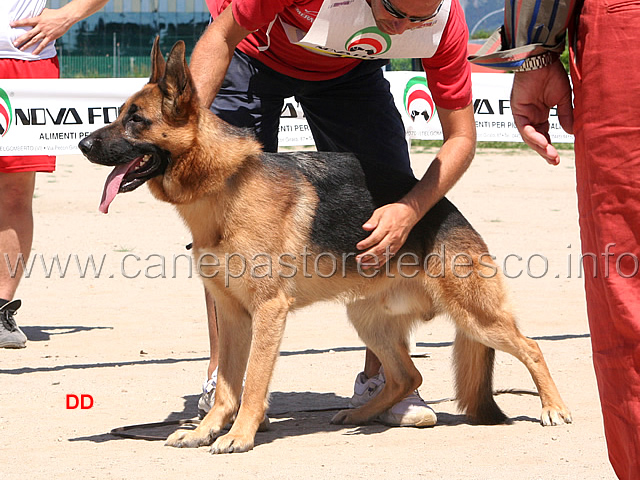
(111, 186)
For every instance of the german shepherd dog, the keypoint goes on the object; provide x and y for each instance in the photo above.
(250, 211)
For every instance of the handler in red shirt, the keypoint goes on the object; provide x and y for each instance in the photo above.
(255, 54)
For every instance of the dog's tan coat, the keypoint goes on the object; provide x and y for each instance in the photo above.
(230, 203)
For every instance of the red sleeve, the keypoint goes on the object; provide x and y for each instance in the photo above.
(448, 71)
(250, 14)
(253, 14)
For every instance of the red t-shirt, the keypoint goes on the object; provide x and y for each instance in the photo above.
(448, 71)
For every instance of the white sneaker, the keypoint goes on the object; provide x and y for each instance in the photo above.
(205, 402)
(412, 411)
(365, 389)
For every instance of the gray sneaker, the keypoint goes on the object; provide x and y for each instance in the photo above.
(10, 334)
(205, 402)
(412, 411)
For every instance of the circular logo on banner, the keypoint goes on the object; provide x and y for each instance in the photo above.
(6, 113)
(417, 99)
(369, 40)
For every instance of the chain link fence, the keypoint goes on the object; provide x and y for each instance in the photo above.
(105, 67)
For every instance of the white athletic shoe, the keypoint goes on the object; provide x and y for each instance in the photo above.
(412, 411)
(205, 402)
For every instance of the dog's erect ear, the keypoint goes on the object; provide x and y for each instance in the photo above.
(157, 62)
(177, 86)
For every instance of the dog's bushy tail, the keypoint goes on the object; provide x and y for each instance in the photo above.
(473, 364)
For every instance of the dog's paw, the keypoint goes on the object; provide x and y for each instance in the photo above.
(188, 439)
(345, 417)
(555, 416)
(230, 443)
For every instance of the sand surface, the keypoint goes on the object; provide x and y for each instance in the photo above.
(133, 336)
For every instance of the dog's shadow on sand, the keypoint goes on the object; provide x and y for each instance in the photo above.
(291, 413)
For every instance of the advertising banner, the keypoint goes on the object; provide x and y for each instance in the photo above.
(491, 92)
(52, 116)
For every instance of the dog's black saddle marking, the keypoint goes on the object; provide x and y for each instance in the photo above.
(349, 190)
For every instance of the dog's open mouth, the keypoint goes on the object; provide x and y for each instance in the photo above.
(128, 177)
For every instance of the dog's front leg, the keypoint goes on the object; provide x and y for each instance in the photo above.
(234, 330)
(210, 426)
(268, 329)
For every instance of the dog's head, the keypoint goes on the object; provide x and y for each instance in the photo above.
(154, 126)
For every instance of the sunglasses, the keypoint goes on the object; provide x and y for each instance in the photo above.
(394, 12)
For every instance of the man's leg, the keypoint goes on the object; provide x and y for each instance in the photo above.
(16, 236)
(213, 335)
(252, 97)
(205, 402)
(607, 130)
(356, 113)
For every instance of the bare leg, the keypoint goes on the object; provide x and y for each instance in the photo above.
(371, 364)
(212, 321)
(16, 227)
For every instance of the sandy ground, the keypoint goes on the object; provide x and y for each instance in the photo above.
(134, 338)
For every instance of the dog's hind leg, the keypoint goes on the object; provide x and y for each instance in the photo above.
(267, 331)
(511, 340)
(234, 330)
(484, 320)
(386, 335)
(473, 364)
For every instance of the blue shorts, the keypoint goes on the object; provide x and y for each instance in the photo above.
(352, 113)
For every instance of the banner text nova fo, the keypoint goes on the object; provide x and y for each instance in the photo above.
(52, 116)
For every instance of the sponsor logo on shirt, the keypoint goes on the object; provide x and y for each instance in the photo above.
(308, 15)
(369, 40)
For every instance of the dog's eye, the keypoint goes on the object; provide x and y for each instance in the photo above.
(136, 118)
